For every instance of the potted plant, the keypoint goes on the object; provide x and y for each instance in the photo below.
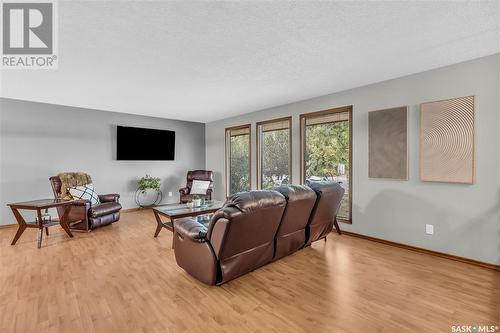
(143, 185)
(197, 200)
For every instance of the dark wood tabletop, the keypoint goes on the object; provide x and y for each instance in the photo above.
(42, 203)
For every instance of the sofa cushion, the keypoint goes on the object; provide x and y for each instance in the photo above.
(105, 208)
(300, 203)
(291, 234)
(327, 187)
(255, 200)
(296, 192)
(191, 229)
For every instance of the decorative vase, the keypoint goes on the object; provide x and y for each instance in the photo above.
(197, 202)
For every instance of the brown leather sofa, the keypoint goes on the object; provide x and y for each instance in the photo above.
(185, 192)
(85, 217)
(254, 228)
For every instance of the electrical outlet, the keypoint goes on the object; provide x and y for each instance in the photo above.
(429, 229)
(169, 194)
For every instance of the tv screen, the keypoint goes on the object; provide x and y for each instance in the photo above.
(133, 143)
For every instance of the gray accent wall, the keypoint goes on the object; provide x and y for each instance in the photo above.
(39, 140)
(466, 218)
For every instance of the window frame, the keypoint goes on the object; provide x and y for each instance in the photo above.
(259, 154)
(302, 119)
(226, 155)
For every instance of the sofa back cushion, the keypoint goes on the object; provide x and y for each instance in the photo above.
(325, 210)
(204, 175)
(242, 232)
(291, 235)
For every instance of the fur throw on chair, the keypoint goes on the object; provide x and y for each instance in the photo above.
(72, 179)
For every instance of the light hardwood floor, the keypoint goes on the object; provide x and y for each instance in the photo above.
(121, 279)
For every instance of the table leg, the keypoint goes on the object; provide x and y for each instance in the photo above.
(40, 227)
(159, 225)
(46, 228)
(40, 235)
(64, 220)
(22, 225)
(173, 233)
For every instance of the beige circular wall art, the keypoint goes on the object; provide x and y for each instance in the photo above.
(447, 141)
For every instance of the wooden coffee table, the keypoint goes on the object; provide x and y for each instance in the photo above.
(38, 206)
(177, 211)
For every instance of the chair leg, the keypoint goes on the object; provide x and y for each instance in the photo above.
(336, 224)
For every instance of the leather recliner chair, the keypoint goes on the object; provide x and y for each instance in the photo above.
(85, 217)
(239, 238)
(185, 192)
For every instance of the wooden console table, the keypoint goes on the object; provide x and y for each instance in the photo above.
(38, 206)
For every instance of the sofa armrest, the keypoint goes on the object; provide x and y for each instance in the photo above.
(188, 228)
(109, 197)
(194, 257)
(81, 203)
(184, 191)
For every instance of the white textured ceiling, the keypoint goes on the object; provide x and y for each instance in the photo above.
(208, 60)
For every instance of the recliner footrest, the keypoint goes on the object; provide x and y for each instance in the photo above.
(104, 208)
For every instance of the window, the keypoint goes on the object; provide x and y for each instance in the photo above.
(326, 151)
(237, 159)
(274, 153)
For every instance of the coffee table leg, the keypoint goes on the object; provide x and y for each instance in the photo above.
(64, 221)
(22, 225)
(159, 225)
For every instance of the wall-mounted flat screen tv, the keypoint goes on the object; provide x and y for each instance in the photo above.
(133, 143)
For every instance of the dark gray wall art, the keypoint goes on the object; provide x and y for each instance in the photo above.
(388, 143)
